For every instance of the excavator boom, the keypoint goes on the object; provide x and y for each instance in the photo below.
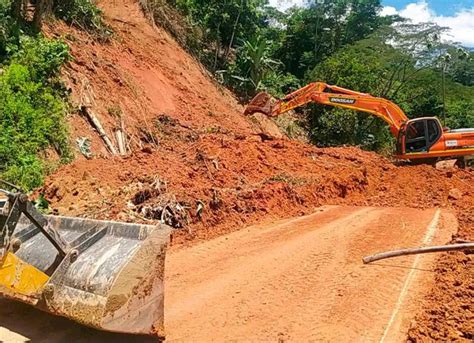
(322, 93)
(420, 138)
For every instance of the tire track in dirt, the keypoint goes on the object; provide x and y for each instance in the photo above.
(300, 280)
(278, 245)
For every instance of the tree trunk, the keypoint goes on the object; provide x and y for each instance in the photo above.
(218, 47)
(43, 7)
(234, 29)
(17, 9)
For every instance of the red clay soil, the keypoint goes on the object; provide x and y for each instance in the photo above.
(210, 162)
(139, 74)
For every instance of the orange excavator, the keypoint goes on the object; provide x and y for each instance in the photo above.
(419, 140)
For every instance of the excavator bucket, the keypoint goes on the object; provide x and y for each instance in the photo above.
(261, 103)
(102, 274)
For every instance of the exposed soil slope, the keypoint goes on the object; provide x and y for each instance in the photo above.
(141, 73)
(206, 168)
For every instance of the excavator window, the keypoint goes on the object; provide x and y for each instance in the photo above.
(434, 132)
(416, 136)
(422, 134)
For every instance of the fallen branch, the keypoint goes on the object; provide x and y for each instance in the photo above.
(415, 251)
(98, 126)
(121, 142)
(121, 136)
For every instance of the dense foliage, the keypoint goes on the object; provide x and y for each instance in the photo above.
(33, 101)
(82, 13)
(252, 46)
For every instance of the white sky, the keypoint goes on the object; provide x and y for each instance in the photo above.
(461, 23)
(285, 4)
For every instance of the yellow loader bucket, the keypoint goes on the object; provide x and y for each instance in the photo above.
(103, 274)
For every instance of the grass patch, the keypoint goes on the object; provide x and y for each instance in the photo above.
(32, 111)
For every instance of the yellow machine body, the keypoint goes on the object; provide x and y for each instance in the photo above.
(20, 278)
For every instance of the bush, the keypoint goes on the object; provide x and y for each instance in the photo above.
(32, 111)
(82, 13)
(279, 84)
(9, 29)
(43, 57)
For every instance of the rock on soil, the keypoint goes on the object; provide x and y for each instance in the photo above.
(455, 194)
(266, 126)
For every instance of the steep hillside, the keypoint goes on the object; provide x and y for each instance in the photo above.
(140, 75)
(197, 163)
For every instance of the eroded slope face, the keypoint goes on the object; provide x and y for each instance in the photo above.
(140, 74)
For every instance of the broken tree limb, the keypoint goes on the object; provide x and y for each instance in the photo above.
(415, 251)
(98, 126)
(120, 137)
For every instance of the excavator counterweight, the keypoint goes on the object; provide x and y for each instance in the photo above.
(103, 274)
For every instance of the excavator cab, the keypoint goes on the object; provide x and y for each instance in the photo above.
(419, 135)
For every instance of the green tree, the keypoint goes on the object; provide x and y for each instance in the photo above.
(462, 68)
(316, 32)
(459, 105)
(356, 67)
(224, 22)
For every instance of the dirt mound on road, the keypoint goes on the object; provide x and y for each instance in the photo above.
(221, 182)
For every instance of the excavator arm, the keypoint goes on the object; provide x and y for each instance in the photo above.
(417, 139)
(322, 93)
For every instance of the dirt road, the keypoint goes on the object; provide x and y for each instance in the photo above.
(297, 279)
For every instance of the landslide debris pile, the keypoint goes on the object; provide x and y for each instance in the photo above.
(198, 164)
(212, 183)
